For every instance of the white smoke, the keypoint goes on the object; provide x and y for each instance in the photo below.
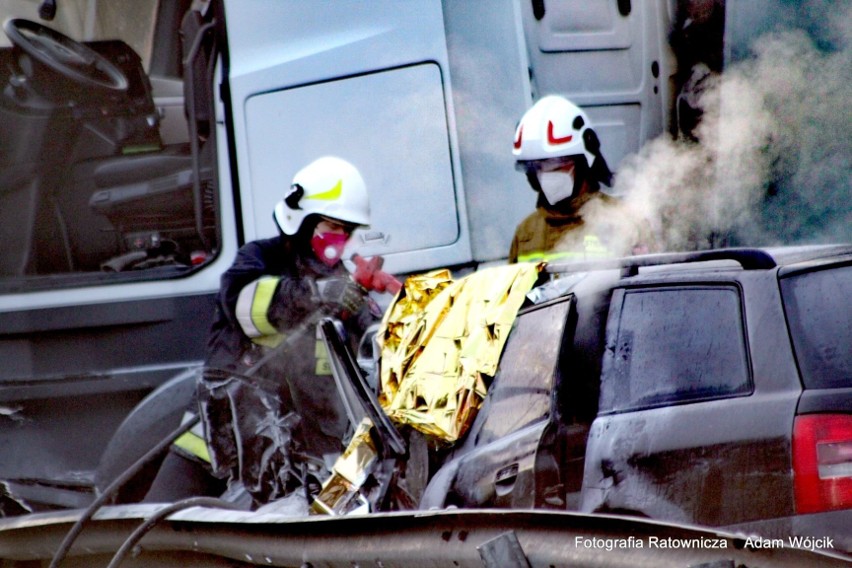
(772, 161)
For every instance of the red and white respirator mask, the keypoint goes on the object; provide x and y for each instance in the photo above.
(329, 246)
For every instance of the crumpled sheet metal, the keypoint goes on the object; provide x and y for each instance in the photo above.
(249, 432)
(441, 343)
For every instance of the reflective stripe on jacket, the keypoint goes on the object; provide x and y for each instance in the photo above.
(253, 305)
(592, 249)
(253, 311)
(193, 442)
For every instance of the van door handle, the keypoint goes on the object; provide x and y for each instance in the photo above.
(374, 236)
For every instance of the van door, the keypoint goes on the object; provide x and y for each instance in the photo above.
(609, 56)
(108, 261)
(368, 83)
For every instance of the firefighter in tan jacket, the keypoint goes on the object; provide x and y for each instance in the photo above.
(560, 154)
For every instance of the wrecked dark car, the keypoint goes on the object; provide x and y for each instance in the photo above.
(710, 388)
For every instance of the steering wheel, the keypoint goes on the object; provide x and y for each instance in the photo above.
(65, 56)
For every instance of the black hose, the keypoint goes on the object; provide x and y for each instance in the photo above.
(143, 529)
(137, 466)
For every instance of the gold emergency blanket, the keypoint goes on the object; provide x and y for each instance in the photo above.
(339, 494)
(441, 342)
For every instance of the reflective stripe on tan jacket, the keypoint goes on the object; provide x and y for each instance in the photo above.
(603, 230)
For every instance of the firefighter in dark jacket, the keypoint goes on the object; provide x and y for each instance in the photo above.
(560, 154)
(275, 289)
(274, 284)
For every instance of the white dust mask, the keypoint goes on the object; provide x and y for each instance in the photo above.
(556, 186)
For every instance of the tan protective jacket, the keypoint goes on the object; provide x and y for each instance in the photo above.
(597, 226)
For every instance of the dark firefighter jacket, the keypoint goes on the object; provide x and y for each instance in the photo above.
(284, 271)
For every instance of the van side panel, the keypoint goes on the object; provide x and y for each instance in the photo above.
(70, 375)
(369, 83)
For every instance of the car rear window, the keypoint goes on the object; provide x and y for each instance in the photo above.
(674, 345)
(819, 311)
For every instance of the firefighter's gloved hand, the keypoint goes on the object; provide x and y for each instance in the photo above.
(341, 293)
(369, 274)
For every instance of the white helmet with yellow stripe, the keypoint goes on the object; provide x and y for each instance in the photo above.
(328, 186)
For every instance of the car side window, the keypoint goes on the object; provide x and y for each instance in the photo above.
(674, 345)
(820, 320)
(522, 390)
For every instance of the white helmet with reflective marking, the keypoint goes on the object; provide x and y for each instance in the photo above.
(328, 186)
(556, 130)
(552, 128)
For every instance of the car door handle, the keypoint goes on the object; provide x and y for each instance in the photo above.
(506, 476)
(609, 471)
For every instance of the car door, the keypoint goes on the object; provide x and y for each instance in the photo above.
(696, 405)
(508, 457)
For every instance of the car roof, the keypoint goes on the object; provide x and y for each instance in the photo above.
(747, 258)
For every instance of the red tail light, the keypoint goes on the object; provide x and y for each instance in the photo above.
(822, 462)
